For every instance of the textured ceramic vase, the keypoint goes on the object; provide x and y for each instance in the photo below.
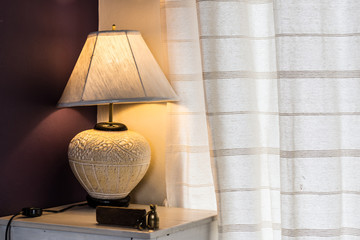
(109, 164)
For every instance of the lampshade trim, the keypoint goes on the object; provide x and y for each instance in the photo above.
(136, 65)
(124, 101)
(114, 31)
(88, 71)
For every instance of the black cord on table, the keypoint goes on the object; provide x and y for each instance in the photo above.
(8, 226)
(65, 209)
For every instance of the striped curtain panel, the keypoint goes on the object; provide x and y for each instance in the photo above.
(240, 78)
(189, 181)
(318, 49)
(281, 83)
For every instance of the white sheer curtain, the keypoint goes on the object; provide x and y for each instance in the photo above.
(281, 82)
(239, 69)
(189, 181)
(318, 48)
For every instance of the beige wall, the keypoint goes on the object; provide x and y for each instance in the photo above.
(146, 119)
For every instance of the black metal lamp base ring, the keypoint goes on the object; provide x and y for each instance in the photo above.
(110, 126)
(94, 202)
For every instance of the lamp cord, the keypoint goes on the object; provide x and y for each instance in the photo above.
(66, 208)
(35, 212)
(8, 226)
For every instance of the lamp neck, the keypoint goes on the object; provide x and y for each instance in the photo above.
(110, 126)
(111, 110)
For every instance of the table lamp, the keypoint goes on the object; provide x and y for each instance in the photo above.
(113, 67)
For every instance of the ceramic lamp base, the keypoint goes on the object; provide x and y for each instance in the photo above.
(109, 164)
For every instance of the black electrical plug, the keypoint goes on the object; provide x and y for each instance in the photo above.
(32, 212)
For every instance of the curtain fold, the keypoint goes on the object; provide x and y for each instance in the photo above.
(278, 85)
(189, 181)
(239, 69)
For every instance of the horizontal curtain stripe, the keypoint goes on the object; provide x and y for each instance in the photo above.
(191, 185)
(239, 1)
(320, 153)
(239, 74)
(320, 232)
(189, 149)
(320, 114)
(318, 35)
(236, 36)
(240, 113)
(281, 74)
(229, 190)
(180, 41)
(243, 151)
(248, 227)
(186, 113)
(286, 154)
(320, 74)
(179, 4)
(284, 114)
(185, 77)
(321, 193)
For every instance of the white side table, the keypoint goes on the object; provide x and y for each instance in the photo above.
(79, 223)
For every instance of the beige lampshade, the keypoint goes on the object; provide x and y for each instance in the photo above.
(116, 67)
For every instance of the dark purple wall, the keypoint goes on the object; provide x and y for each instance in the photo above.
(40, 41)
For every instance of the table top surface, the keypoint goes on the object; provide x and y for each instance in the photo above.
(83, 220)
